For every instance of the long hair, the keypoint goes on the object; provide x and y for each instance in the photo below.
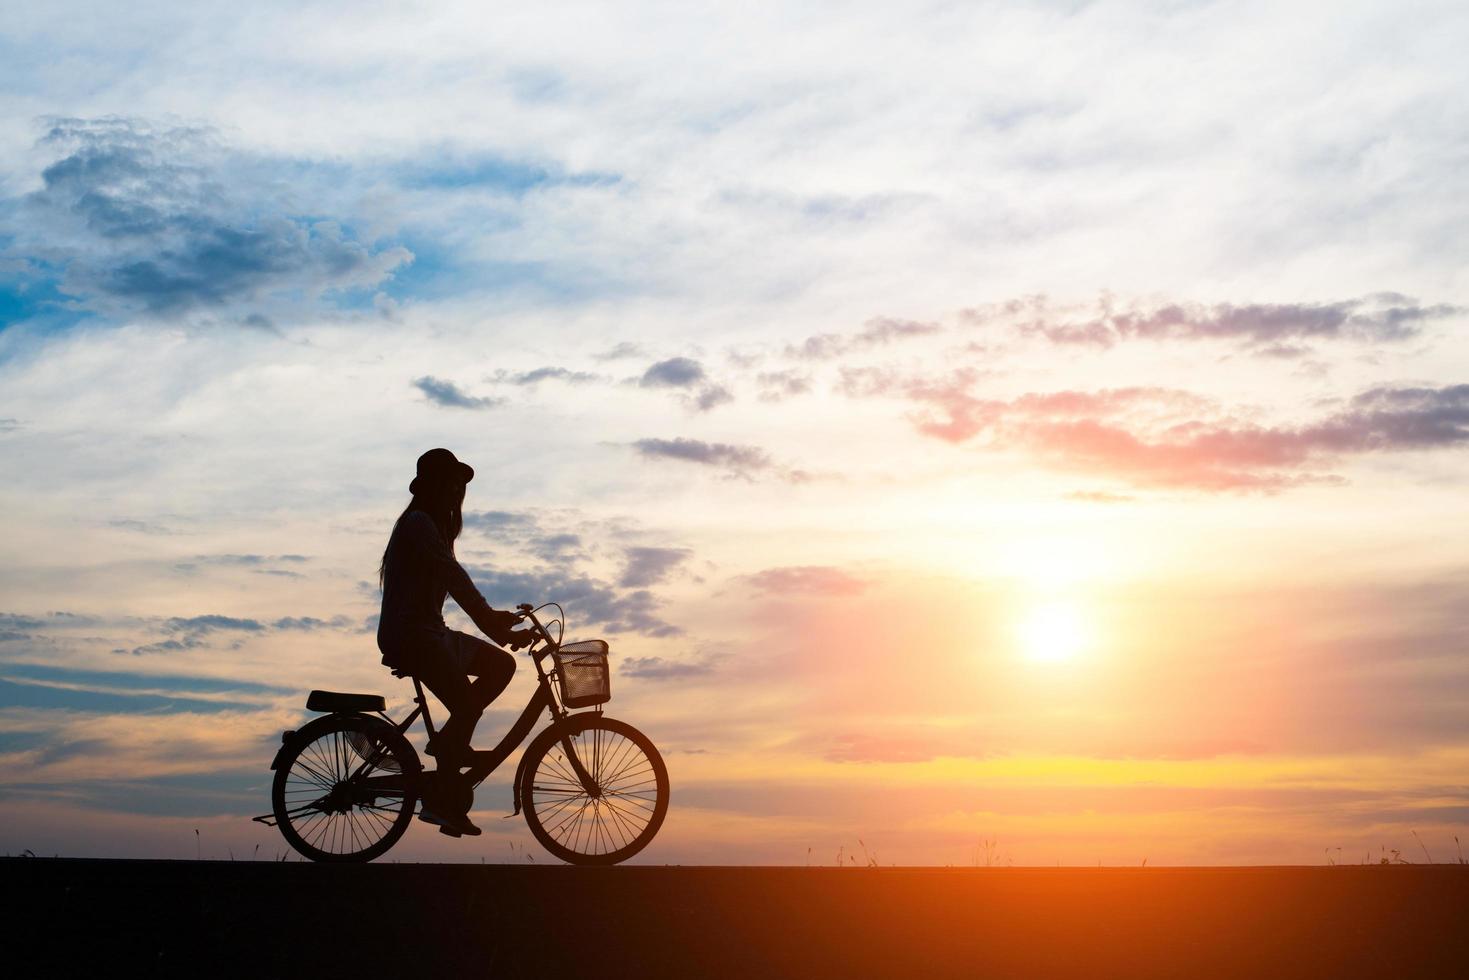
(441, 501)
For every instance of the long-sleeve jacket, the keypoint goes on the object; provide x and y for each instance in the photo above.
(419, 572)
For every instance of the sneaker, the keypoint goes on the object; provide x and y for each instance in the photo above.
(451, 826)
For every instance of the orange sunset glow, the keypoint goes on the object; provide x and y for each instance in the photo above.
(1043, 425)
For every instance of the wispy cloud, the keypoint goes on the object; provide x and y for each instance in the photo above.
(877, 332)
(133, 217)
(648, 566)
(588, 600)
(742, 462)
(537, 375)
(663, 669)
(779, 385)
(1270, 327)
(1154, 436)
(448, 395)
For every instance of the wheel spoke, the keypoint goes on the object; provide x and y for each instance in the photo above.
(626, 803)
(325, 801)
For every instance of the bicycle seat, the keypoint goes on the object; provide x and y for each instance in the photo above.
(332, 701)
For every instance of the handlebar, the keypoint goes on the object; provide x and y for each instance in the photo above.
(527, 611)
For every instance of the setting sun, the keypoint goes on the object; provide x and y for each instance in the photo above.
(1052, 632)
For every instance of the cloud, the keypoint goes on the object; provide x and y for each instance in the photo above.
(684, 374)
(142, 527)
(536, 376)
(710, 397)
(779, 385)
(621, 351)
(166, 221)
(555, 547)
(18, 621)
(1155, 437)
(876, 332)
(9, 425)
(211, 622)
(448, 395)
(676, 372)
(248, 560)
(587, 601)
(738, 461)
(806, 580)
(525, 532)
(648, 566)
(310, 624)
(1271, 327)
(661, 669)
(257, 564)
(497, 521)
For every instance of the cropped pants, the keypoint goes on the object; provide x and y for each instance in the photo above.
(445, 667)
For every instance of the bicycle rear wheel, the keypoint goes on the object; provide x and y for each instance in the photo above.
(346, 789)
(626, 807)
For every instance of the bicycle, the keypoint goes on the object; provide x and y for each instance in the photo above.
(593, 790)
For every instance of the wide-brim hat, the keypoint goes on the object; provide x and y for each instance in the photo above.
(440, 466)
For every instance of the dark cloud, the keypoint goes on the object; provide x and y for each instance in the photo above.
(448, 395)
(525, 532)
(555, 547)
(806, 580)
(1165, 437)
(497, 521)
(876, 332)
(660, 669)
(9, 425)
(710, 397)
(169, 646)
(536, 376)
(649, 566)
(698, 392)
(1379, 318)
(741, 461)
(188, 632)
(587, 601)
(309, 624)
(138, 218)
(17, 621)
(211, 622)
(676, 372)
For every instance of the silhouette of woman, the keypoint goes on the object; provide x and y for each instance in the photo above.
(418, 570)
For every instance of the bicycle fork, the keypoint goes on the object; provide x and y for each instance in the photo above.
(585, 778)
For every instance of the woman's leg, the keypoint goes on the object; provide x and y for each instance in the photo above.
(445, 671)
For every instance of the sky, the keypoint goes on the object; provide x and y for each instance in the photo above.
(986, 433)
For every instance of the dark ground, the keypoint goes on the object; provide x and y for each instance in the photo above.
(68, 917)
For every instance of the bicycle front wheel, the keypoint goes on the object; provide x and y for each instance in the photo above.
(613, 819)
(345, 790)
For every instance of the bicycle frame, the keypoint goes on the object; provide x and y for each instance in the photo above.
(487, 761)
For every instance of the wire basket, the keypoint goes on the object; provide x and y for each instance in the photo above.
(582, 670)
